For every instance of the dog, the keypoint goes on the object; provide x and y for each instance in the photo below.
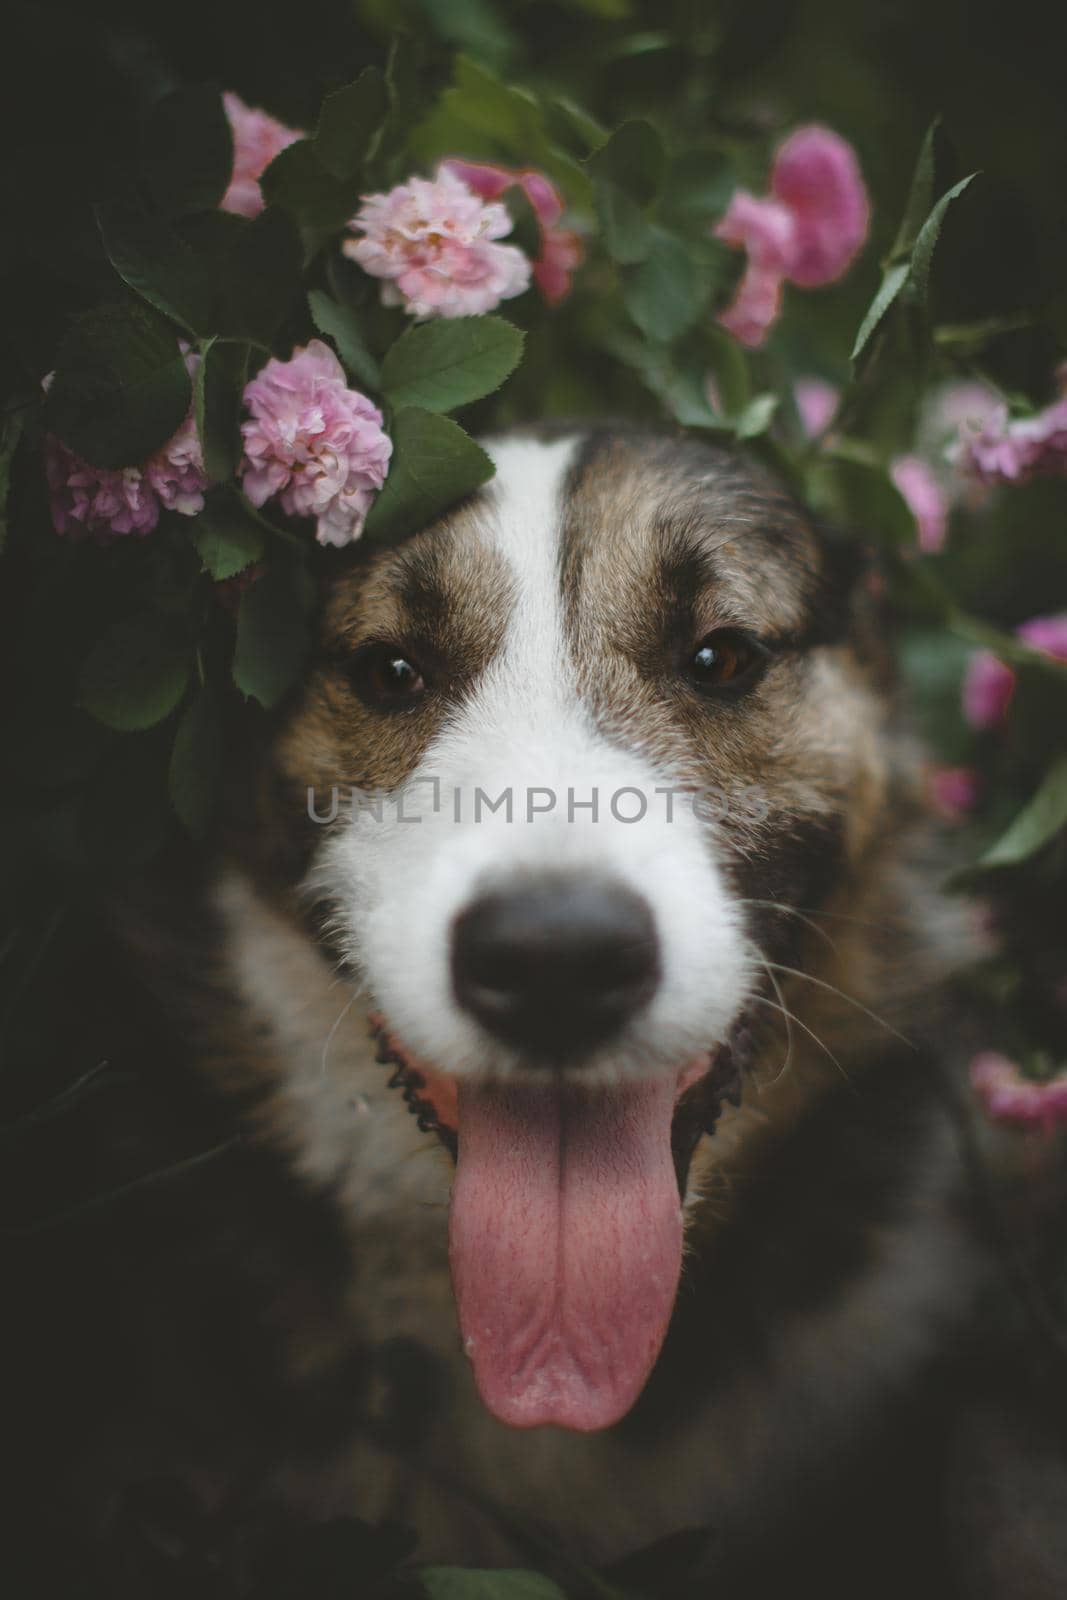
(574, 973)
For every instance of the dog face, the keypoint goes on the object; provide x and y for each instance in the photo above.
(605, 733)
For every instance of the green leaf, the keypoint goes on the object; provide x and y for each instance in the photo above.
(187, 151)
(160, 265)
(472, 25)
(195, 762)
(340, 324)
(922, 256)
(756, 417)
(444, 364)
(261, 277)
(298, 183)
(434, 465)
(892, 283)
(218, 389)
(272, 635)
(626, 231)
(227, 539)
(632, 160)
(136, 674)
(121, 389)
(1037, 824)
(920, 195)
(348, 124)
(666, 292)
(484, 1583)
(859, 496)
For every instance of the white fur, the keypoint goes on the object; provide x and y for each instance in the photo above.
(398, 885)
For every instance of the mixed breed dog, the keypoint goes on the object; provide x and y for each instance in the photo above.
(594, 1173)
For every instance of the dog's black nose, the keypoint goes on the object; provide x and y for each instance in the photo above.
(555, 966)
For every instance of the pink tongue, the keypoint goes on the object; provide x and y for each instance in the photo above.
(565, 1237)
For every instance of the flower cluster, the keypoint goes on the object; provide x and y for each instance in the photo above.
(561, 249)
(806, 231)
(101, 503)
(995, 450)
(989, 683)
(316, 444)
(257, 139)
(1006, 1096)
(432, 241)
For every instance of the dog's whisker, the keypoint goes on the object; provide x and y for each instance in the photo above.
(848, 998)
(761, 1000)
(791, 911)
(345, 1009)
(787, 1062)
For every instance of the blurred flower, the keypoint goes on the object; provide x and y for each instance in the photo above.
(926, 500)
(989, 683)
(431, 240)
(993, 449)
(93, 501)
(257, 139)
(176, 472)
(807, 231)
(1005, 1095)
(950, 407)
(561, 249)
(817, 178)
(816, 402)
(88, 501)
(315, 443)
(952, 791)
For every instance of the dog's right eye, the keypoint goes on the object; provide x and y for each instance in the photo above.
(385, 678)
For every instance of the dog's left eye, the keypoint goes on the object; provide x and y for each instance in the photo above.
(385, 678)
(726, 661)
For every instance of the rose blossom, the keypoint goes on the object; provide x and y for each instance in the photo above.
(926, 500)
(816, 402)
(101, 503)
(88, 501)
(315, 443)
(992, 449)
(807, 231)
(989, 683)
(1006, 1096)
(561, 249)
(432, 242)
(952, 791)
(257, 139)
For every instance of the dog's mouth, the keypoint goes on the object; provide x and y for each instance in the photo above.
(565, 1225)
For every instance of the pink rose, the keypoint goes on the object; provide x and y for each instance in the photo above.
(816, 402)
(1006, 1096)
(952, 791)
(561, 250)
(926, 500)
(257, 139)
(315, 443)
(807, 231)
(95, 502)
(992, 449)
(989, 683)
(432, 242)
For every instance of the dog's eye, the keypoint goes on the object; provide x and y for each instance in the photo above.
(727, 662)
(385, 678)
